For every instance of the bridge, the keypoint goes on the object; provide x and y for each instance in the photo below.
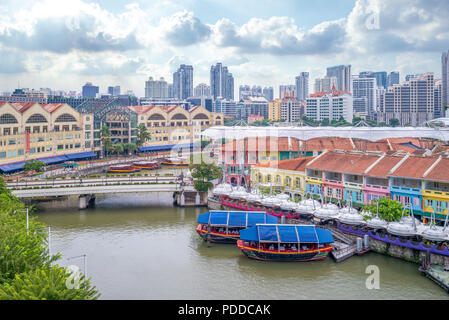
(86, 189)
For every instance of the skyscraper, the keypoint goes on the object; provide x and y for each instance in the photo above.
(268, 93)
(445, 77)
(393, 78)
(364, 96)
(325, 84)
(343, 75)
(202, 90)
(114, 91)
(183, 82)
(381, 77)
(89, 90)
(156, 88)
(221, 82)
(287, 91)
(302, 86)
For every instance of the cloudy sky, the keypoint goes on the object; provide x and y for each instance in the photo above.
(61, 44)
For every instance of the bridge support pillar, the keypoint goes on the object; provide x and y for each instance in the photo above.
(85, 201)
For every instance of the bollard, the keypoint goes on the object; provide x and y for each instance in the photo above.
(366, 240)
(359, 244)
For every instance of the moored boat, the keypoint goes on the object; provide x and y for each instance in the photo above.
(225, 226)
(124, 168)
(285, 242)
(147, 165)
(179, 162)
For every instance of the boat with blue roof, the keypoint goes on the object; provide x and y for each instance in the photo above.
(285, 242)
(225, 226)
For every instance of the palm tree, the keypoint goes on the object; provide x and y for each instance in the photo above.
(142, 135)
(105, 136)
(118, 148)
(130, 147)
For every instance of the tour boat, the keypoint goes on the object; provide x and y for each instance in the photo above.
(238, 193)
(327, 211)
(352, 218)
(435, 233)
(285, 242)
(145, 165)
(222, 189)
(225, 226)
(124, 168)
(271, 202)
(179, 162)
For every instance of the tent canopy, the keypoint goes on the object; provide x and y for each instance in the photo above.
(235, 218)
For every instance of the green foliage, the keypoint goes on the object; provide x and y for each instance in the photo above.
(105, 137)
(48, 283)
(389, 210)
(118, 148)
(142, 135)
(130, 147)
(34, 165)
(393, 122)
(204, 172)
(202, 185)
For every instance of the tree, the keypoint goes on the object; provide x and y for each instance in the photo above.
(203, 173)
(142, 135)
(393, 122)
(356, 120)
(118, 148)
(48, 283)
(325, 122)
(389, 210)
(34, 165)
(130, 147)
(105, 137)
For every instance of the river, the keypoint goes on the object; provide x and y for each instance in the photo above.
(140, 247)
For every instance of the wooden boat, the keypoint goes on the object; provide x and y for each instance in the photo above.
(285, 242)
(145, 165)
(124, 168)
(225, 226)
(179, 162)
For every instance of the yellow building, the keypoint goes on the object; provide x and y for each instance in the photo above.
(285, 175)
(274, 109)
(174, 125)
(435, 188)
(35, 131)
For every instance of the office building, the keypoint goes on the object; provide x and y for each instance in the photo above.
(393, 78)
(89, 90)
(202, 90)
(252, 106)
(226, 107)
(268, 93)
(287, 91)
(183, 82)
(330, 105)
(156, 88)
(364, 96)
(445, 78)
(325, 84)
(114, 91)
(343, 75)
(381, 77)
(221, 82)
(302, 86)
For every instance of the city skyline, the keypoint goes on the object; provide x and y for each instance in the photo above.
(123, 43)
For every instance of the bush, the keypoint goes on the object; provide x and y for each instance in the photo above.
(48, 283)
(202, 185)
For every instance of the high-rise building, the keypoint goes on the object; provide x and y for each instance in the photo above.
(411, 102)
(302, 86)
(343, 75)
(268, 93)
(445, 78)
(381, 77)
(412, 76)
(171, 93)
(393, 78)
(287, 91)
(221, 82)
(244, 90)
(330, 105)
(90, 91)
(202, 90)
(183, 82)
(438, 98)
(114, 91)
(364, 96)
(156, 88)
(252, 106)
(325, 84)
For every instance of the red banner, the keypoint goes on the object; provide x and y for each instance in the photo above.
(28, 141)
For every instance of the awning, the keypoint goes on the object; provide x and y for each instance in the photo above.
(286, 234)
(235, 218)
(166, 147)
(52, 160)
(7, 168)
(79, 156)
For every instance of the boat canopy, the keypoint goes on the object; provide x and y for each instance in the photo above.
(286, 233)
(235, 218)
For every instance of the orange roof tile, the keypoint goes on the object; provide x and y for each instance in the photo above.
(384, 166)
(440, 172)
(51, 107)
(343, 162)
(320, 144)
(297, 164)
(414, 167)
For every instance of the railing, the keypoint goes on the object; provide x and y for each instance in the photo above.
(339, 182)
(353, 184)
(436, 193)
(406, 188)
(374, 186)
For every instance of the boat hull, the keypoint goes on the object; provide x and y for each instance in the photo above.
(217, 237)
(301, 256)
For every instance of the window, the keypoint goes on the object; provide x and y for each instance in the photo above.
(20, 152)
(65, 118)
(338, 193)
(36, 118)
(7, 119)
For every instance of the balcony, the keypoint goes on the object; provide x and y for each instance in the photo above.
(406, 189)
(314, 180)
(353, 185)
(376, 188)
(333, 181)
(435, 193)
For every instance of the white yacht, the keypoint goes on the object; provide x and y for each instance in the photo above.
(238, 193)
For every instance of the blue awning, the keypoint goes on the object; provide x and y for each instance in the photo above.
(82, 155)
(235, 218)
(166, 147)
(52, 160)
(8, 168)
(286, 234)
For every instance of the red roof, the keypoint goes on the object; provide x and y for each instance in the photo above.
(297, 164)
(51, 107)
(414, 167)
(382, 168)
(440, 172)
(343, 162)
